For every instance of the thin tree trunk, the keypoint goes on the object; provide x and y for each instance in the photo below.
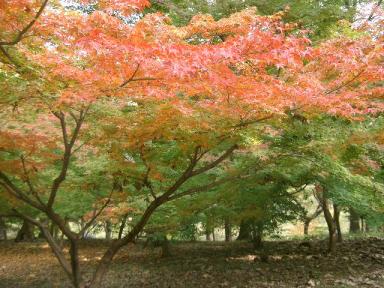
(308, 219)
(122, 226)
(354, 221)
(227, 230)
(207, 234)
(336, 217)
(306, 226)
(108, 230)
(25, 233)
(331, 225)
(75, 264)
(3, 229)
(366, 227)
(213, 234)
(257, 235)
(105, 261)
(165, 251)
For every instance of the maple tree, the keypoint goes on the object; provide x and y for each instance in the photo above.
(77, 84)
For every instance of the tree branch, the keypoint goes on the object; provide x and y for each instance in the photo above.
(199, 189)
(7, 184)
(371, 16)
(9, 58)
(133, 79)
(51, 241)
(94, 217)
(21, 33)
(345, 84)
(68, 145)
(28, 180)
(216, 162)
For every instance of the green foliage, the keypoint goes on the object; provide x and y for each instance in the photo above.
(321, 17)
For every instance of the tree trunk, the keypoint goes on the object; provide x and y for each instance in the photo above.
(213, 234)
(354, 221)
(165, 251)
(336, 217)
(257, 235)
(75, 264)
(25, 233)
(331, 225)
(106, 260)
(228, 230)
(122, 226)
(244, 231)
(208, 234)
(108, 230)
(308, 219)
(3, 229)
(306, 226)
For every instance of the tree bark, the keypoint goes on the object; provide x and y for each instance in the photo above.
(331, 225)
(106, 260)
(354, 221)
(208, 234)
(227, 230)
(306, 226)
(165, 251)
(336, 217)
(3, 229)
(75, 264)
(108, 230)
(244, 231)
(308, 219)
(122, 226)
(257, 235)
(25, 233)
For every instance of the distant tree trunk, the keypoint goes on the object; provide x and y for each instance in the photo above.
(257, 235)
(306, 226)
(228, 230)
(213, 234)
(366, 226)
(165, 251)
(108, 230)
(308, 219)
(244, 231)
(354, 221)
(122, 226)
(207, 234)
(3, 229)
(25, 233)
(336, 217)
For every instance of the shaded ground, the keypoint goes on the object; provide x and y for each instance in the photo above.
(205, 264)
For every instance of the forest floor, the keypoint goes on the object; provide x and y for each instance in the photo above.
(356, 263)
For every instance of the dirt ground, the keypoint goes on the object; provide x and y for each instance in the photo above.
(358, 263)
